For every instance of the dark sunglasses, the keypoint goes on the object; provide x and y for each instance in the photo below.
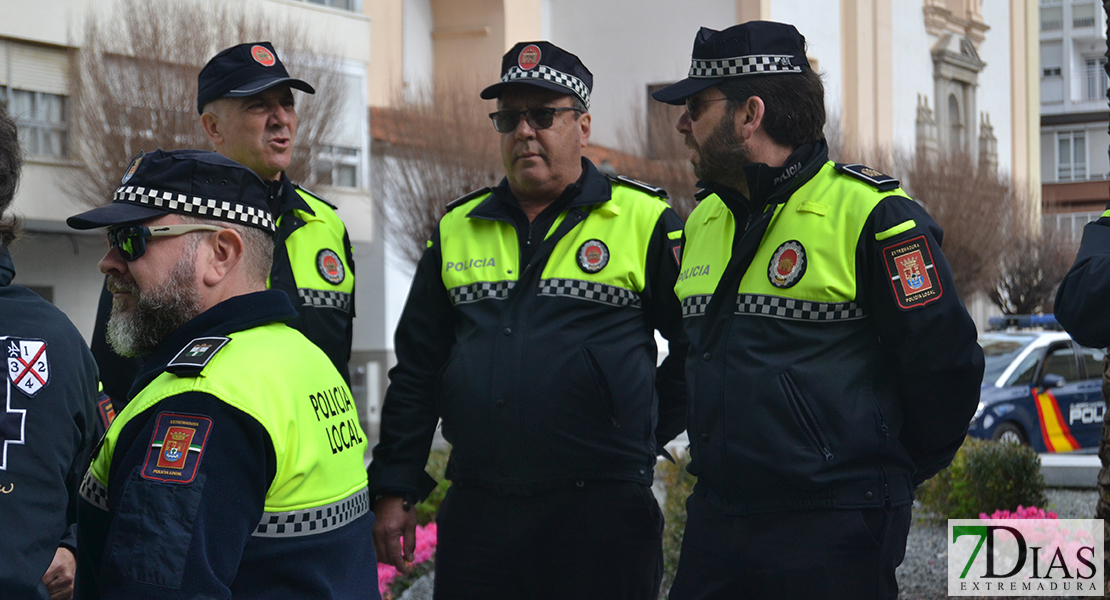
(505, 121)
(130, 240)
(695, 104)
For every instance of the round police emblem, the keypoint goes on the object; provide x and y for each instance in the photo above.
(593, 256)
(131, 169)
(330, 267)
(529, 57)
(263, 56)
(788, 264)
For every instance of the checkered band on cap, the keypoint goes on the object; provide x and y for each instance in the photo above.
(694, 306)
(319, 519)
(94, 492)
(797, 310)
(224, 210)
(325, 299)
(590, 290)
(572, 83)
(743, 65)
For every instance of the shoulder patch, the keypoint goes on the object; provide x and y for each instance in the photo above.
(466, 198)
(913, 277)
(881, 181)
(105, 409)
(196, 355)
(28, 366)
(315, 195)
(643, 187)
(176, 447)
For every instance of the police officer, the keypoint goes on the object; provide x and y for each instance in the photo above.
(529, 331)
(833, 367)
(237, 467)
(48, 419)
(245, 98)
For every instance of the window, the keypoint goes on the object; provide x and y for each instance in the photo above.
(1052, 15)
(1062, 362)
(336, 166)
(41, 119)
(1071, 156)
(1023, 375)
(1083, 14)
(1095, 86)
(352, 5)
(1092, 358)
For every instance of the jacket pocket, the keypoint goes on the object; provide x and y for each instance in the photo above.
(805, 416)
(601, 383)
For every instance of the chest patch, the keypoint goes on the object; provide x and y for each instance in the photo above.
(176, 447)
(593, 256)
(330, 266)
(28, 366)
(912, 275)
(788, 264)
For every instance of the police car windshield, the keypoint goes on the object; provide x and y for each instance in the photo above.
(1000, 349)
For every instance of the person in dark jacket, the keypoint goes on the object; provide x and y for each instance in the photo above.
(529, 331)
(832, 366)
(48, 420)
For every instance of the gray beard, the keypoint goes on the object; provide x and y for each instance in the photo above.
(722, 157)
(158, 312)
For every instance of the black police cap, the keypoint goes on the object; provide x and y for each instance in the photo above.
(749, 49)
(197, 183)
(241, 71)
(544, 65)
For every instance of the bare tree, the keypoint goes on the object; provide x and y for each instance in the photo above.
(133, 83)
(661, 156)
(1030, 269)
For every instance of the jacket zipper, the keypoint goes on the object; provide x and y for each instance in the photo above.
(809, 423)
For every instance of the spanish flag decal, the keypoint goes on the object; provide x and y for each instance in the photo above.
(1054, 430)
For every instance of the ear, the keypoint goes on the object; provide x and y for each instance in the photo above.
(225, 251)
(584, 123)
(211, 124)
(749, 117)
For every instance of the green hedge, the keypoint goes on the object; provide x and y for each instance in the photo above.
(984, 477)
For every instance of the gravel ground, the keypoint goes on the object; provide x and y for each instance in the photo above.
(924, 573)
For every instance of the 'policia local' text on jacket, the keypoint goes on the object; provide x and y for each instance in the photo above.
(313, 265)
(235, 471)
(544, 374)
(48, 425)
(832, 364)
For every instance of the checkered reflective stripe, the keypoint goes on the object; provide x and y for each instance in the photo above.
(743, 65)
(311, 521)
(694, 306)
(93, 492)
(797, 310)
(589, 290)
(325, 298)
(555, 76)
(225, 210)
(483, 290)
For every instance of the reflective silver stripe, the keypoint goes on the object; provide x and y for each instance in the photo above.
(694, 306)
(589, 290)
(319, 519)
(93, 492)
(495, 290)
(325, 298)
(797, 310)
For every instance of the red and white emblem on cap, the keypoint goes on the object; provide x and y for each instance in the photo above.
(593, 256)
(788, 264)
(529, 57)
(263, 56)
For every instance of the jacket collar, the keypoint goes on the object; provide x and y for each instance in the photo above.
(7, 267)
(591, 188)
(231, 315)
(287, 199)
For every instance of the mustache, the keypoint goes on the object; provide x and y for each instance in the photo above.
(117, 284)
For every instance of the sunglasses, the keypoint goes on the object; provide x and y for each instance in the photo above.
(130, 240)
(695, 104)
(505, 121)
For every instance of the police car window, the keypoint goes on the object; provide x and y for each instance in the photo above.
(1092, 358)
(1062, 362)
(1000, 350)
(1023, 375)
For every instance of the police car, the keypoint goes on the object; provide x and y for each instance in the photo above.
(1040, 388)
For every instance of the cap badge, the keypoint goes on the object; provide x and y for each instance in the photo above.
(529, 57)
(593, 256)
(131, 169)
(330, 267)
(788, 264)
(263, 56)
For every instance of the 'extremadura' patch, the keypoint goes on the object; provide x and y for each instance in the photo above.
(912, 275)
(176, 447)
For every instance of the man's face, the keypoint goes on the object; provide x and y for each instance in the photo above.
(154, 295)
(259, 131)
(717, 151)
(542, 163)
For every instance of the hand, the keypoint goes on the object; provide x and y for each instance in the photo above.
(392, 524)
(59, 577)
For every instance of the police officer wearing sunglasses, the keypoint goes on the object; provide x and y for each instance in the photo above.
(529, 331)
(237, 468)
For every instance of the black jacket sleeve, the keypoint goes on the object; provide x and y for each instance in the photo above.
(1084, 294)
(665, 315)
(423, 341)
(928, 334)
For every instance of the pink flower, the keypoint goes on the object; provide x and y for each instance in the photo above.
(1022, 512)
(425, 550)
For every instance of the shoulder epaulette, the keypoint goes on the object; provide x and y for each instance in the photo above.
(466, 198)
(643, 187)
(315, 195)
(192, 359)
(881, 181)
(702, 194)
